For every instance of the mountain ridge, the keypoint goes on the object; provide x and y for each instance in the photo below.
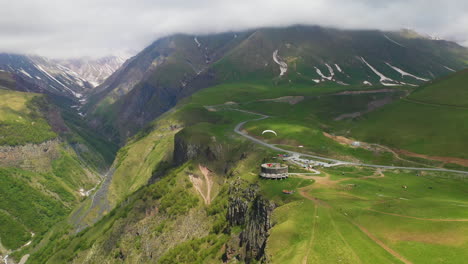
(176, 66)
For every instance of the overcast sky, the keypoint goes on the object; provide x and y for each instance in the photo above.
(73, 28)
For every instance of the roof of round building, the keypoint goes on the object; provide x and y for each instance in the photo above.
(274, 165)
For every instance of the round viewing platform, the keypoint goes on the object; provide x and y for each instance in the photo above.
(274, 171)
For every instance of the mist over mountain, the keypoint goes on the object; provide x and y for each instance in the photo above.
(240, 132)
(98, 28)
(176, 66)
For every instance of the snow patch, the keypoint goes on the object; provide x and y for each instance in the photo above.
(385, 81)
(338, 68)
(330, 69)
(316, 80)
(282, 64)
(196, 41)
(383, 78)
(86, 193)
(319, 72)
(77, 95)
(341, 83)
(367, 83)
(403, 73)
(393, 41)
(450, 69)
(390, 84)
(25, 73)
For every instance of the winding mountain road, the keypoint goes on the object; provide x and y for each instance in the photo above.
(238, 130)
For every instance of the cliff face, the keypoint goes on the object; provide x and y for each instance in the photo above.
(249, 209)
(186, 149)
(35, 157)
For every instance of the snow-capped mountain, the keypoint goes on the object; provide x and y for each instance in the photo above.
(95, 71)
(45, 74)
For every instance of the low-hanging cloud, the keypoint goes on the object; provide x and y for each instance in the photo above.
(69, 28)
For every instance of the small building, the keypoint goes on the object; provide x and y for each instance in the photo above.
(276, 171)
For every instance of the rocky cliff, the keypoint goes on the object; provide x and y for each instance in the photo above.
(35, 157)
(190, 148)
(247, 208)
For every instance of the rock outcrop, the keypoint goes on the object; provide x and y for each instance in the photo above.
(34, 157)
(247, 208)
(186, 149)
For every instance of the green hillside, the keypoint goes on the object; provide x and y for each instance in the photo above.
(431, 121)
(19, 112)
(450, 91)
(40, 175)
(185, 186)
(155, 207)
(177, 66)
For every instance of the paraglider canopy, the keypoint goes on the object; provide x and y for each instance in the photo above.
(269, 131)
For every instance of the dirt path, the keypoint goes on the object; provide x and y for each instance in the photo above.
(209, 183)
(337, 230)
(385, 90)
(398, 152)
(312, 237)
(433, 104)
(327, 181)
(364, 230)
(285, 99)
(459, 161)
(418, 218)
(370, 146)
(377, 174)
(382, 244)
(199, 183)
(303, 192)
(24, 259)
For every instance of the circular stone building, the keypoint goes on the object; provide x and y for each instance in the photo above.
(274, 171)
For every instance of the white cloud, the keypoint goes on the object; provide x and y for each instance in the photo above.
(70, 28)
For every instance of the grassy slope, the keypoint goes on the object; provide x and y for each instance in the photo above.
(450, 91)
(336, 236)
(18, 112)
(164, 211)
(429, 122)
(329, 231)
(175, 67)
(304, 122)
(33, 200)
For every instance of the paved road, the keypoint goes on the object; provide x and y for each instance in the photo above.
(238, 130)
